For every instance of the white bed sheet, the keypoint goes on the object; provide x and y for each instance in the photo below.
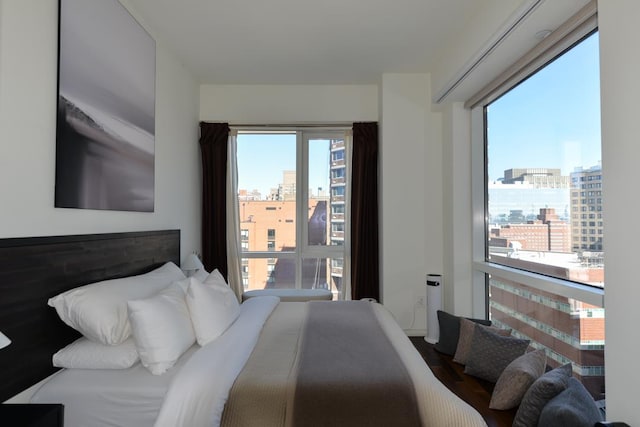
(109, 397)
(134, 397)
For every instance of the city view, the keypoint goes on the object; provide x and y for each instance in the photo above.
(272, 256)
(544, 210)
(537, 215)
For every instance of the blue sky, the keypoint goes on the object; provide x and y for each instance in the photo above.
(263, 157)
(552, 119)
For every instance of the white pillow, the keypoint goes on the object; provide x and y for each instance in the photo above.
(213, 309)
(201, 274)
(85, 354)
(161, 328)
(99, 310)
(215, 278)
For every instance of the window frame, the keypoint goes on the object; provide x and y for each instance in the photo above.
(302, 248)
(571, 33)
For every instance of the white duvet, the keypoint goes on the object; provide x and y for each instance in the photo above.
(196, 396)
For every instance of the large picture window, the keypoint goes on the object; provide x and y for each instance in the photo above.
(292, 188)
(544, 188)
(541, 259)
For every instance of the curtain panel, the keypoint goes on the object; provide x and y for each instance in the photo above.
(213, 145)
(234, 277)
(365, 266)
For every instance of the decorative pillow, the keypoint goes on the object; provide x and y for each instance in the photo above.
(516, 379)
(99, 310)
(450, 331)
(162, 328)
(85, 354)
(213, 309)
(491, 353)
(467, 327)
(215, 278)
(572, 407)
(545, 388)
(201, 274)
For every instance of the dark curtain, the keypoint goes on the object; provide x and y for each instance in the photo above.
(213, 145)
(365, 267)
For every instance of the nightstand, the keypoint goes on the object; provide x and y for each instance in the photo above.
(32, 414)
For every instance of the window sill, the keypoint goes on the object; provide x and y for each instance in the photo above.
(588, 294)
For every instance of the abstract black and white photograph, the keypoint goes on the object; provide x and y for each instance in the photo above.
(105, 136)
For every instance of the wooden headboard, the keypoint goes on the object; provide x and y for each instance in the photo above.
(34, 269)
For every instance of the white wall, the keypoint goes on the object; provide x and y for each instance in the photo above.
(411, 196)
(620, 92)
(458, 297)
(28, 98)
(290, 104)
(410, 165)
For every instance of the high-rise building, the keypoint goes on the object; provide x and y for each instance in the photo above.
(337, 205)
(538, 177)
(547, 233)
(569, 330)
(586, 212)
(528, 190)
(270, 226)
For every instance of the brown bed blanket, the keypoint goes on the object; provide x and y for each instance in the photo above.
(324, 364)
(349, 374)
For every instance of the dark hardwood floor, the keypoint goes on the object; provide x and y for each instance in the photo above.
(474, 391)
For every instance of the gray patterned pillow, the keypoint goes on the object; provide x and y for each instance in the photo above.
(574, 406)
(516, 379)
(467, 327)
(450, 331)
(491, 353)
(541, 391)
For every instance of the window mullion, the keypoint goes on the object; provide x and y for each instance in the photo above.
(301, 202)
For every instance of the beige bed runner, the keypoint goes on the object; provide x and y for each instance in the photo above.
(343, 371)
(259, 395)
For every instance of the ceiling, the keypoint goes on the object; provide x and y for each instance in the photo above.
(304, 41)
(342, 42)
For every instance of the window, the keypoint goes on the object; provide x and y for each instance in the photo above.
(309, 224)
(543, 145)
(539, 254)
(338, 191)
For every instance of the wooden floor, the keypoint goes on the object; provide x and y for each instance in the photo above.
(474, 391)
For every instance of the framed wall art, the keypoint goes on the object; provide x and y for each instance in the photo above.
(105, 134)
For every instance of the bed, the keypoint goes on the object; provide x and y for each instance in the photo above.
(250, 374)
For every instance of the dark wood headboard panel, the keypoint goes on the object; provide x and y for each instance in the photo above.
(34, 269)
